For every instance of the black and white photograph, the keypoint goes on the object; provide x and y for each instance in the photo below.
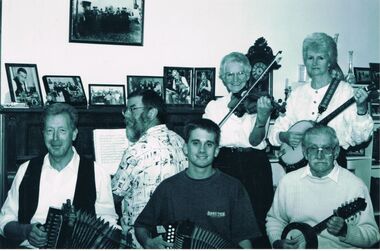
(178, 85)
(204, 86)
(64, 89)
(106, 95)
(136, 83)
(362, 76)
(107, 21)
(375, 72)
(375, 110)
(24, 84)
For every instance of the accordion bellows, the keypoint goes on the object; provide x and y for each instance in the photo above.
(84, 231)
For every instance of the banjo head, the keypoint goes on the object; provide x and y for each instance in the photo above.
(293, 157)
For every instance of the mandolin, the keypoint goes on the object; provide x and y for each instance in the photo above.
(292, 158)
(308, 237)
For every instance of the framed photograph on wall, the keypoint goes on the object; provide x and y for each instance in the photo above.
(362, 76)
(106, 95)
(375, 110)
(204, 86)
(356, 152)
(136, 83)
(375, 72)
(24, 84)
(65, 89)
(178, 85)
(107, 21)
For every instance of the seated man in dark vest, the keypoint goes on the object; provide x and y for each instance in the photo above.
(50, 180)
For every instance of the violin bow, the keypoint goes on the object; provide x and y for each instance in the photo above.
(277, 58)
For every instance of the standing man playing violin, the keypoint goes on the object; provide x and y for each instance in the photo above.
(242, 154)
(353, 126)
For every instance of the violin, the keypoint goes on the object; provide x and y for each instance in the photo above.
(249, 105)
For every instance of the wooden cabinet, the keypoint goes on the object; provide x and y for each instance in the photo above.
(22, 139)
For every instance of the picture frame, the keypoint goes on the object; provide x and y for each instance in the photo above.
(204, 86)
(24, 84)
(65, 89)
(362, 76)
(107, 22)
(139, 82)
(178, 85)
(106, 95)
(375, 72)
(356, 152)
(375, 110)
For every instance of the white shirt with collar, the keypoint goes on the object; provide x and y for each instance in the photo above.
(333, 175)
(55, 188)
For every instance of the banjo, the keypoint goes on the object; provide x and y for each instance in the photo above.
(292, 158)
(307, 235)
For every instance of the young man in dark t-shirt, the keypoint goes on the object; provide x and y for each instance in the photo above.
(200, 194)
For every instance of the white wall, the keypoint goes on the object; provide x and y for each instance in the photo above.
(194, 33)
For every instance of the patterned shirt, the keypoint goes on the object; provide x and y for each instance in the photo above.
(156, 156)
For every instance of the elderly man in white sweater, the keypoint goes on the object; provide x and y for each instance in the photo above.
(311, 194)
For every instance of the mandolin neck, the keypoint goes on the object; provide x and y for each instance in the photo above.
(322, 225)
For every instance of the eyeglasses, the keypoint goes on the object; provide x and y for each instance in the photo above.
(327, 151)
(241, 75)
(130, 109)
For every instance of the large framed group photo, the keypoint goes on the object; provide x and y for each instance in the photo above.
(137, 83)
(106, 95)
(24, 84)
(107, 21)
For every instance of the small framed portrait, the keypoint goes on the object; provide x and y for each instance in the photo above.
(178, 85)
(106, 95)
(24, 84)
(375, 110)
(358, 150)
(375, 72)
(204, 86)
(107, 21)
(362, 76)
(136, 83)
(64, 89)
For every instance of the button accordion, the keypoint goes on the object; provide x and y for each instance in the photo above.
(187, 235)
(70, 229)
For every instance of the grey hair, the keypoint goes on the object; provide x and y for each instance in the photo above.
(60, 108)
(235, 57)
(319, 129)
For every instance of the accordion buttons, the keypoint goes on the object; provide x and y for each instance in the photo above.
(170, 234)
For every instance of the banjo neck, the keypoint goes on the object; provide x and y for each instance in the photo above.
(333, 114)
(321, 225)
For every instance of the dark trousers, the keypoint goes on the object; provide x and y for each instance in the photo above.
(253, 169)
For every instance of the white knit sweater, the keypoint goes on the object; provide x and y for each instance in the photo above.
(307, 199)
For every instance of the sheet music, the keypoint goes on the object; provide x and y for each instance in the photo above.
(109, 145)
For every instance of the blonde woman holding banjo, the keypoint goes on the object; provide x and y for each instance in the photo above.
(309, 102)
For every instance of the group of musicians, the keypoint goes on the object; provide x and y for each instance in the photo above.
(219, 176)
